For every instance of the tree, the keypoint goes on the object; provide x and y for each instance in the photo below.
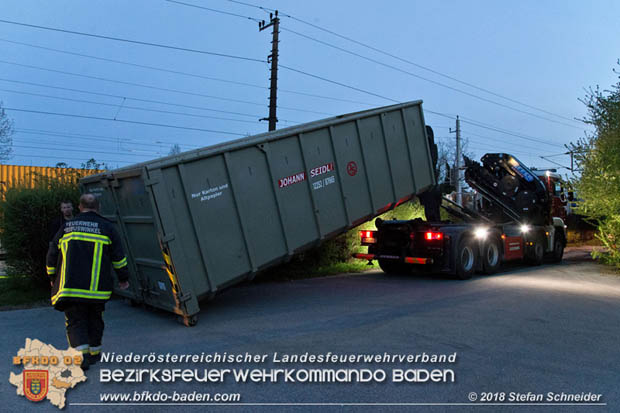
(6, 135)
(93, 164)
(175, 149)
(597, 155)
(24, 228)
(446, 159)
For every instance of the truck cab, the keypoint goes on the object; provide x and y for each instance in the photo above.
(557, 191)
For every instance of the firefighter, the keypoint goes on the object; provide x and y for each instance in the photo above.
(66, 213)
(78, 264)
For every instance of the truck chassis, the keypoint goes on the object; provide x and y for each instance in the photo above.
(461, 249)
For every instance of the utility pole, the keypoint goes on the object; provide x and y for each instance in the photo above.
(273, 59)
(457, 163)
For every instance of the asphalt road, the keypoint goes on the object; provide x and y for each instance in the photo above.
(553, 328)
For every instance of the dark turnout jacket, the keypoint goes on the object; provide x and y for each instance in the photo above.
(54, 226)
(80, 258)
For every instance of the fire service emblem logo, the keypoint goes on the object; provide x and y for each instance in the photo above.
(35, 384)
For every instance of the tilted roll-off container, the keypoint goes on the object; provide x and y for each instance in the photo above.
(195, 223)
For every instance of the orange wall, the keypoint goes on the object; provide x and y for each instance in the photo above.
(18, 175)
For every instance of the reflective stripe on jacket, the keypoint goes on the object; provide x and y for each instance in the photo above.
(80, 258)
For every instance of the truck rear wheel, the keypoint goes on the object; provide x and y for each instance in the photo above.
(535, 252)
(394, 267)
(491, 256)
(558, 249)
(465, 259)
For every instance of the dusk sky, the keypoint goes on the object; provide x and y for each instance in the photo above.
(513, 71)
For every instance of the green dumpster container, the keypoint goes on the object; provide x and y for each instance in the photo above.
(200, 221)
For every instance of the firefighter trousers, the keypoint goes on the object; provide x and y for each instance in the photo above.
(84, 322)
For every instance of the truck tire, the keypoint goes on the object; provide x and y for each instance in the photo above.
(465, 259)
(491, 256)
(558, 250)
(535, 252)
(394, 267)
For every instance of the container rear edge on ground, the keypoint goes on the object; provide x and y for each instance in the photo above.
(203, 220)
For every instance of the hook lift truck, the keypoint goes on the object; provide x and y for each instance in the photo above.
(511, 218)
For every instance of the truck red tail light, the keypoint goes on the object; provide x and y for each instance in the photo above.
(368, 237)
(433, 236)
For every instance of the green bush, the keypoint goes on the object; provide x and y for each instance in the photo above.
(25, 217)
(335, 256)
(609, 235)
(598, 158)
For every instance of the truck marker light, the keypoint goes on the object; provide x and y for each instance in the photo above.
(367, 234)
(365, 256)
(368, 237)
(481, 232)
(434, 236)
(415, 260)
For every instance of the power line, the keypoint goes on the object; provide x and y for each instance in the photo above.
(375, 49)
(553, 162)
(156, 87)
(73, 115)
(496, 139)
(377, 62)
(295, 70)
(120, 150)
(127, 107)
(104, 59)
(107, 139)
(118, 39)
(135, 98)
(214, 10)
(336, 82)
(445, 115)
(76, 150)
(150, 144)
(472, 121)
(558, 154)
(101, 137)
(429, 69)
(122, 82)
(486, 150)
(504, 131)
(492, 127)
(65, 158)
(427, 79)
(504, 144)
(177, 72)
(265, 9)
(543, 168)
